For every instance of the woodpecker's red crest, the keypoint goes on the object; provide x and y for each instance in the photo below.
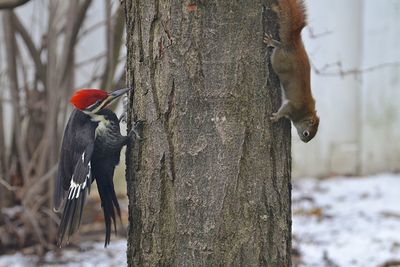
(84, 98)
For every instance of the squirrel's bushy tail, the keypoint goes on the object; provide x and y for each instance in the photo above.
(293, 19)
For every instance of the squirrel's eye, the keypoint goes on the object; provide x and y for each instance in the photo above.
(306, 133)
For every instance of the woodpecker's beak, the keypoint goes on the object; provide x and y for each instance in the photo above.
(99, 105)
(119, 92)
(114, 95)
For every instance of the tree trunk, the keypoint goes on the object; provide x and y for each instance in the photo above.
(209, 184)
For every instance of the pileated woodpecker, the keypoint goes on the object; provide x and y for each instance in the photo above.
(90, 151)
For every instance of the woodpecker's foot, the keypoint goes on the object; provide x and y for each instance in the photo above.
(134, 133)
(270, 41)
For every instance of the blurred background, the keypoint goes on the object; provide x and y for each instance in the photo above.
(345, 191)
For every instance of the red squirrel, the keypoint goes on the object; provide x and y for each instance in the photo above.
(290, 62)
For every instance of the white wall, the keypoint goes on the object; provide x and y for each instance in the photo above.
(381, 88)
(360, 122)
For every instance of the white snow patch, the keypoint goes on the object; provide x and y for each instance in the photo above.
(347, 222)
(89, 254)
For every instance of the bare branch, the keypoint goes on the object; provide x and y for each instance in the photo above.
(11, 53)
(39, 183)
(33, 51)
(114, 43)
(36, 227)
(93, 59)
(3, 152)
(9, 4)
(8, 186)
(92, 80)
(91, 28)
(71, 38)
(51, 214)
(314, 35)
(342, 72)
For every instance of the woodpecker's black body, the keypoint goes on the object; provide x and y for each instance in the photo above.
(90, 151)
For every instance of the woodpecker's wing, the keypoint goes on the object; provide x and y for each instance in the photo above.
(74, 171)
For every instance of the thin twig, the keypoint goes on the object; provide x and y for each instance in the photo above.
(93, 59)
(8, 186)
(314, 35)
(341, 72)
(91, 28)
(51, 214)
(35, 186)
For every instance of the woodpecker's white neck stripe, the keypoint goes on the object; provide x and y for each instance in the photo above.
(102, 123)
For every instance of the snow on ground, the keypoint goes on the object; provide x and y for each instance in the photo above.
(90, 254)
(339, 222)
(347, 222)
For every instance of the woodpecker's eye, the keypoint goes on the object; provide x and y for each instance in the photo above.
(306, 133)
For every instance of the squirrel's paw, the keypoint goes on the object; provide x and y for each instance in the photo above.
(270, 41)
(275, 117)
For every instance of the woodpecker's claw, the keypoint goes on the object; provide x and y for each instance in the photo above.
(135, 129)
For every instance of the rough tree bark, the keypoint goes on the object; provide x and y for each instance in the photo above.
(209, 185)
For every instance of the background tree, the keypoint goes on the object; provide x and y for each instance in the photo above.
(9, 4)
(210, 183)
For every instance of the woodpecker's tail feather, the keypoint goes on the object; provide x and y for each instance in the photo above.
(71, 217)
(109, 204)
